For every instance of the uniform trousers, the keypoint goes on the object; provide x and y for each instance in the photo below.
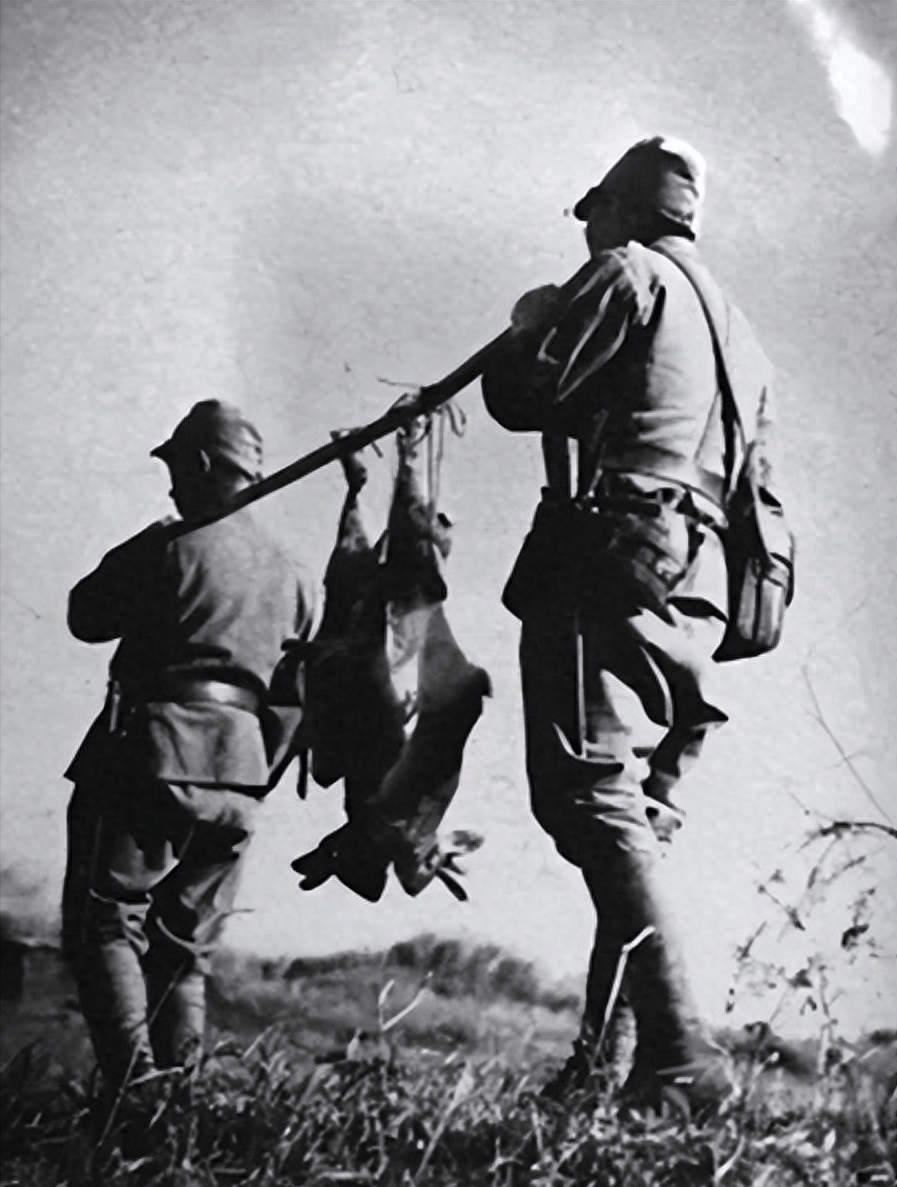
(152, 873)
(616, 710)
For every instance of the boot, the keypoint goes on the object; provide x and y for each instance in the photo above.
(112, 996)
(579, 1075)
(618, 1047)
(177, 999)
(674, 1059)
(597, 1064)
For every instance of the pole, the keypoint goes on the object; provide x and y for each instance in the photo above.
(406, 408)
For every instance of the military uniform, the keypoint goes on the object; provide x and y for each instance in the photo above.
(634, 347)
(171, 775)
(618, 695)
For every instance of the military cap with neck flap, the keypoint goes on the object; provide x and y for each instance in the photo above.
(222, 432)
(664, 173)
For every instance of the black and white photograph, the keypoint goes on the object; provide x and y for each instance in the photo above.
(448, 570)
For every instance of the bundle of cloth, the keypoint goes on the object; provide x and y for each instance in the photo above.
(390, 697)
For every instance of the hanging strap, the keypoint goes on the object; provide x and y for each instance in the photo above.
(651, 460)
(733, 427)
(556, 456)
(688, 473)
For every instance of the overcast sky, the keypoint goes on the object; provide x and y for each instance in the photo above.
(281, 204)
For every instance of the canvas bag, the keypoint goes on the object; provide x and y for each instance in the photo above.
(758, 542)
(759, 548)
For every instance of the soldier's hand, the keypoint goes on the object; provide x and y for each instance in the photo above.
(537, 310)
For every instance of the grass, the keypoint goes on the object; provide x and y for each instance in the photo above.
(253, 1120)
(310, 1082)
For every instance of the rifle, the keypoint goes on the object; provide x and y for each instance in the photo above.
(407, 408)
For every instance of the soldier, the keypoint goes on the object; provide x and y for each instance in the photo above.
(170, 777)
(622, 584)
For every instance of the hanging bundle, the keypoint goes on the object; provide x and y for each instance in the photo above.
(397, 750)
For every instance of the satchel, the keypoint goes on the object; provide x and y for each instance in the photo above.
(760, 551)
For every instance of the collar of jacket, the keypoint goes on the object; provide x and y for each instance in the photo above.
(676, 245)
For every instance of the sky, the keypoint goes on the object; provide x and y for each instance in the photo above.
(297, 206)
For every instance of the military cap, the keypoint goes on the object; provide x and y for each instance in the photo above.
(222, 432)
(667, 174)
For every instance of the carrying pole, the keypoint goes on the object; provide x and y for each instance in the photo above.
(416, 403)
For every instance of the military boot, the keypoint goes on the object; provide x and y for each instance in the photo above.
(674, 1058)
(578, 1075)
(597, 1064)
(112, 996)
(618, 1047)
(177, 1005)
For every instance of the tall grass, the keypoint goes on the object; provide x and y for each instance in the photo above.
(420, 1067)
(251, 1117)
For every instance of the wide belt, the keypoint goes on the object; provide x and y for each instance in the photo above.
(657, 463)
(192, 690)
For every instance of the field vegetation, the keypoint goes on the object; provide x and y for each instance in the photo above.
(420, 1067)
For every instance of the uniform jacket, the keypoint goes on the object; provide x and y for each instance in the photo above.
(628, 372)
(217, 602)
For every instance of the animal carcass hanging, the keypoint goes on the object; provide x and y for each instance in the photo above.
(398, 754)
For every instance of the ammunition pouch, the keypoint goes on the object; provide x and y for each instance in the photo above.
(628, 553)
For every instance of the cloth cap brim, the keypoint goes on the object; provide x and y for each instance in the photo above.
(221, 432)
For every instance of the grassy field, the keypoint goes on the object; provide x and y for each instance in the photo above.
(316, 1076)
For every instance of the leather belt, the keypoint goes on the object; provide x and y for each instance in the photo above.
(651, 505)
(193, 689)
(647, 506)
(659, 464)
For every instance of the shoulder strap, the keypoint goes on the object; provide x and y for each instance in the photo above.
(733, 428)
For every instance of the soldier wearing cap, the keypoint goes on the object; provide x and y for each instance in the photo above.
(622, 587)
(171, 775)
